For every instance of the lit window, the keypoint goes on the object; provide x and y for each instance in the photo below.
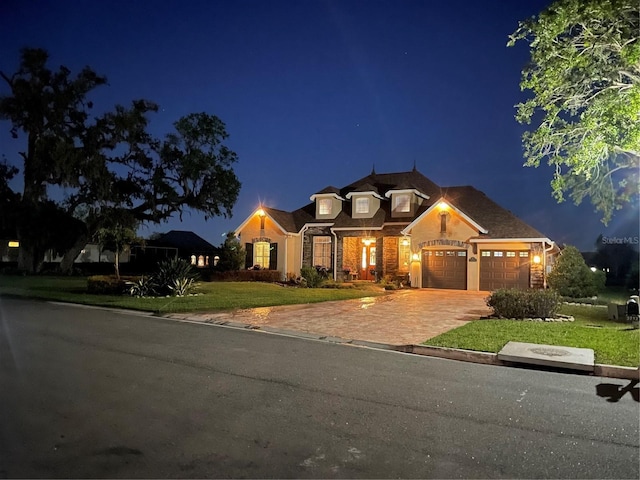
(402, 203)
(404, 255)
(497, 254)
(322, 251)
(216, 259)
(201, 261)
(462, 253)
(324, 206)
(524, 254)
(362, 205)
(372, 256)
(486, 254)
(511, 254)
(193, 259)
(439, 254)
(450, 253)
(261, 254)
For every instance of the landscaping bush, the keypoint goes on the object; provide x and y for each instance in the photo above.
(514, 303)
(107, 284)
(571, 277)
(270, 276)
(175, 277)
(143, 287)
(312, 276)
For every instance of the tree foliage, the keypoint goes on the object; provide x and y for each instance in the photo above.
(110, 161)
(571, 277)
(584, 74)
(117, 234)
(232, 254)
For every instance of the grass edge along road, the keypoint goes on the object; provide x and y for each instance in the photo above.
(210, 296)
(613, 343)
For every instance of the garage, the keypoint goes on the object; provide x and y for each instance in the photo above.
(504, 269)
(444, 269)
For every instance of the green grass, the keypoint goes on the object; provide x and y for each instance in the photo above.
(613, 343)
(212, 295)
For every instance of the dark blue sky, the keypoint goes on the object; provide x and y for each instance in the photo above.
(316, 93)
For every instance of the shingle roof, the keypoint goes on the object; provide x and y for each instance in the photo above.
(184, 240)
(499, 222)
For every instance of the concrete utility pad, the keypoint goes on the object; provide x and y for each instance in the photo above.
(548, 355)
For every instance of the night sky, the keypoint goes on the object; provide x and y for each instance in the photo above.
(317, 93)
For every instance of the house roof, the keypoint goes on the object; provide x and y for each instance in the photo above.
(499, 222)
(496, 221)
(184, 240)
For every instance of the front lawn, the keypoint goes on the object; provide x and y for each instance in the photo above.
(613, 343)
(212, 295)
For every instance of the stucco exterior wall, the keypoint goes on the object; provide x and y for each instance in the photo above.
(271, 231)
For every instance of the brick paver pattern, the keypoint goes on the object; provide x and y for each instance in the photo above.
(398, 318)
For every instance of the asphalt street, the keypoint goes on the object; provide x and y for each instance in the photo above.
(98, 394)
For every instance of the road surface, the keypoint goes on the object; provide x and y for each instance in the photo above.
(92, 393)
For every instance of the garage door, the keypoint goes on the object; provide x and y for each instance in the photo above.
(444, 269)
(504, 269)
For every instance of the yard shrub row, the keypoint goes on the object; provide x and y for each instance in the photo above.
(108, 284)
(515, 303)
(270, 276)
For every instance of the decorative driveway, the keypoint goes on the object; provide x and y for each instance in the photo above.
(399, 318)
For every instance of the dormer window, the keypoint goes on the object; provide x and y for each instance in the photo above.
(402, 202)
(324, 206)
(362, 205)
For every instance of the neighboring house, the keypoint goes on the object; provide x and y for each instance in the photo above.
(90, 253)
(398, 226)
(177, 243)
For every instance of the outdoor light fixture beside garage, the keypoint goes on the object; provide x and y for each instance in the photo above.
(536, 259)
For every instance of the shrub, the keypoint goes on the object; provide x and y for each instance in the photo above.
(514, 303)
(174, 275)
(571, 277)
(143, 287)
(271, 276)
(106, 285)
(312, 276)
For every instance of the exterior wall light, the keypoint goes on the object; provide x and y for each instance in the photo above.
(536, 259)
(443, 206)
(405, 242)
(415, 257)
(13, 244)
(260, 212)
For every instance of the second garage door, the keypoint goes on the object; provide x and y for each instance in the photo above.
(504, 269)
(444, 269)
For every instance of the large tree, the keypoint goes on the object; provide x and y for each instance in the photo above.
(584, 74)
(110, 161)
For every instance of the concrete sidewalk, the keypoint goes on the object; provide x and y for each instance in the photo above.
(403, 317)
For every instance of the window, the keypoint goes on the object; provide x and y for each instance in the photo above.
(362, 205)
(322, 251)
(439, 253)
(462, 253)
(201, 261)
(524, 254)
(324, 206)
(261, 254)
(450, 253)
(511, 254)
(404, 255)
(372, 256)
(486, 254)
(193, 259)
(497, 254)
(402, 202)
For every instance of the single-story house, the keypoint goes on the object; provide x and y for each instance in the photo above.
(177, 243)
(401, 226)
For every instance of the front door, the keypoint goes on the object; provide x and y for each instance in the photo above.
(368, 260)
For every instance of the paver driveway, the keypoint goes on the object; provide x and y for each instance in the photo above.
(400, 318)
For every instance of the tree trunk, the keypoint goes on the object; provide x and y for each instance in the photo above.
(26, 256)
(116, 262)
(66, 265)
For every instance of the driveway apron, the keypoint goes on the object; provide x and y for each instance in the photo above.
(398, 318)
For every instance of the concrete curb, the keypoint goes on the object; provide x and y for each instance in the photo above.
(471, 356)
